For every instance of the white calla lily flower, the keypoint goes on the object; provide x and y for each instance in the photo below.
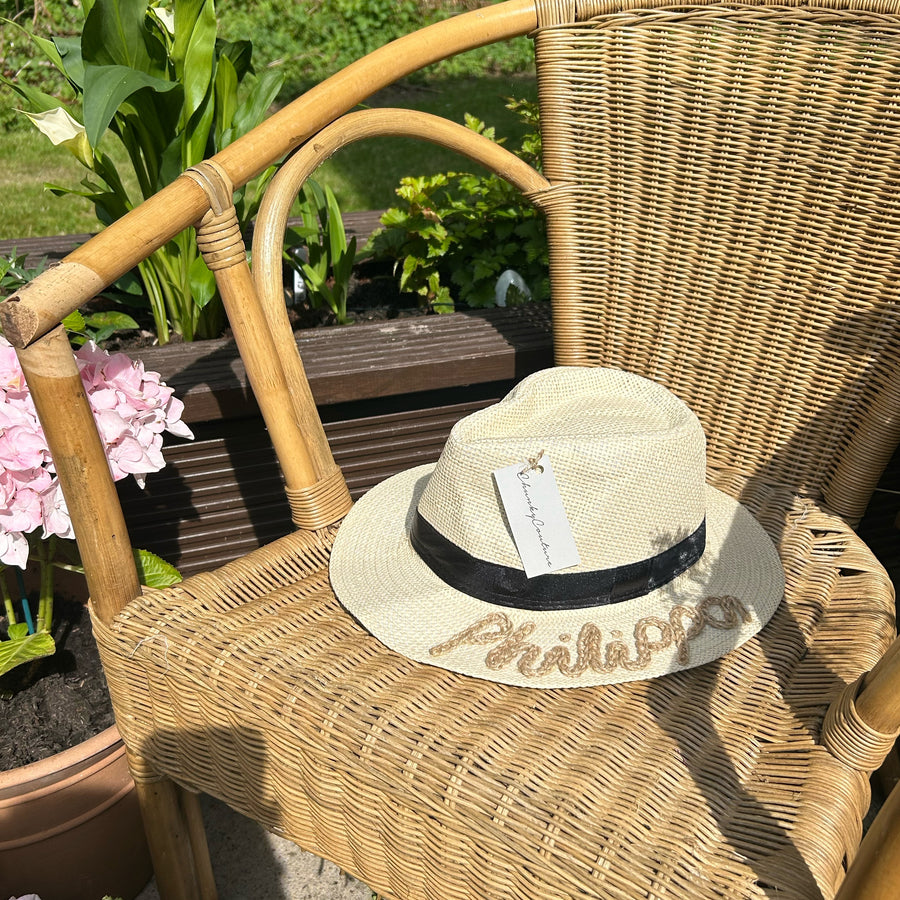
(64, 131)
(166, 18)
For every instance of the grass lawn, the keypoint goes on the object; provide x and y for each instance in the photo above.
(27, 160)
(362, 176)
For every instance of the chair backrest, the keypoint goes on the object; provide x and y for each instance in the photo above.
(728, 222)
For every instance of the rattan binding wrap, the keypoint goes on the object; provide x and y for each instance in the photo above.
(850, 739)
(311, 725)
(219, 235)
(323, 503)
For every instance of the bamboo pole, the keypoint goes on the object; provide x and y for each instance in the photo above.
(875, 873)
(268, 236)
(878, 703)
(222, 246)
(178, 849)
(266, 377)
(68, 423)
(117, 249)
(316, 490)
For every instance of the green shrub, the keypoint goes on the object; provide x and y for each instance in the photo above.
(329, 258)
(456, 233)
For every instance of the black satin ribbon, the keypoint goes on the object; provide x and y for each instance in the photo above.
(506, 586)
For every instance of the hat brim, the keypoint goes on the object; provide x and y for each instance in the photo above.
(701, 615)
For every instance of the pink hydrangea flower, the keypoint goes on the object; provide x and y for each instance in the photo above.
(132, 408)
(13, 549)
(11, 376)
(54, 513)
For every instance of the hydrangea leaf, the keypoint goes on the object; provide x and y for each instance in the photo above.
(33, 646)
(154, 571)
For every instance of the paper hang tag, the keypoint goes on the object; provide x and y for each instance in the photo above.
(537, 519)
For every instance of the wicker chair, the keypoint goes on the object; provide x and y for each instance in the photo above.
(723, 207)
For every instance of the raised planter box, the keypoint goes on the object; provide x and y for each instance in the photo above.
(415, 379)
(388, 393)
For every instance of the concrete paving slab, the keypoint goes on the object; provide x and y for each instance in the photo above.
(251, 864)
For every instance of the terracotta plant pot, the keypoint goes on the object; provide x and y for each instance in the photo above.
(70, 827)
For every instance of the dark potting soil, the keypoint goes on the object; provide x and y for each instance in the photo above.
(57, 702)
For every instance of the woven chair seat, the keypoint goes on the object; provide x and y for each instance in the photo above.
(254, 685)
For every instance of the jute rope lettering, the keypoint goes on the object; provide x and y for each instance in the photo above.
(591, 653)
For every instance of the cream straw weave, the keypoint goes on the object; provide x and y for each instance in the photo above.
(629, 460)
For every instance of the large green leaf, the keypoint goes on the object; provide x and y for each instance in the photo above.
(104, 324)
(106, 88)
(68, 49)
(109, 206)
(50, 51)
(254, 108)
(337, 238)
(46, 46)
(25, 649)
(226, 98)
(37, 100)
(186, 14)
(195, 137)
(195, 48)
(239, 52)
(114, 35)
(74, 321)
(203, 282)
(170, 166)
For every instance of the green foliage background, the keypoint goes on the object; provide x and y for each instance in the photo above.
(309, 39)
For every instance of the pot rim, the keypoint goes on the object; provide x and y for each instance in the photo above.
(74, 762)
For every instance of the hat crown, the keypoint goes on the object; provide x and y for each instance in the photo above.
(629, 459)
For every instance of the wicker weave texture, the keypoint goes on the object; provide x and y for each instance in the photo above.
(254, 684)
(726, 222)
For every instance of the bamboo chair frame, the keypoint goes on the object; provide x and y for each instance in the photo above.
(862, 722)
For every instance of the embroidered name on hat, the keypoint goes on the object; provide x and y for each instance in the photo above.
(592, 654)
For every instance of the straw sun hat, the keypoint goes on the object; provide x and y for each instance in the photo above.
(668, 572)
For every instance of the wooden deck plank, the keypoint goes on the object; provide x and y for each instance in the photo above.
(55, 247)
